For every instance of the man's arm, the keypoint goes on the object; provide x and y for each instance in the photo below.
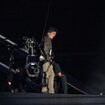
(47, 47)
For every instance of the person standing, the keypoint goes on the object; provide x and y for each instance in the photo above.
(47, 65)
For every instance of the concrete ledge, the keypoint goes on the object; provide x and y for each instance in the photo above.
(50, 99)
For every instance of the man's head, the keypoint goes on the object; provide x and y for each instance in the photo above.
(52, 32)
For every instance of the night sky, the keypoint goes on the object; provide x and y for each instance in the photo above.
(79, 46)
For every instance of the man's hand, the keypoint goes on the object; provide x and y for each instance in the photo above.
(60, 74)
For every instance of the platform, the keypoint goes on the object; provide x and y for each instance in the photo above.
(50, 99)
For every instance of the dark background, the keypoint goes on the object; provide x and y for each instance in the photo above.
(79, 46)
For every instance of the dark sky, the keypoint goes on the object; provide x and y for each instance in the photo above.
(79, 45)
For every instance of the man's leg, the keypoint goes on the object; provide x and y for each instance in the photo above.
(45, 68)
(51, 80)
(48, 69)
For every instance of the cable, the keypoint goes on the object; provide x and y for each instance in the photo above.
(76, 88)
(45, 23)
(46, 18)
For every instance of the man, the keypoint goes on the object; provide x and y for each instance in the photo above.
(60, 78)
(47, 66)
